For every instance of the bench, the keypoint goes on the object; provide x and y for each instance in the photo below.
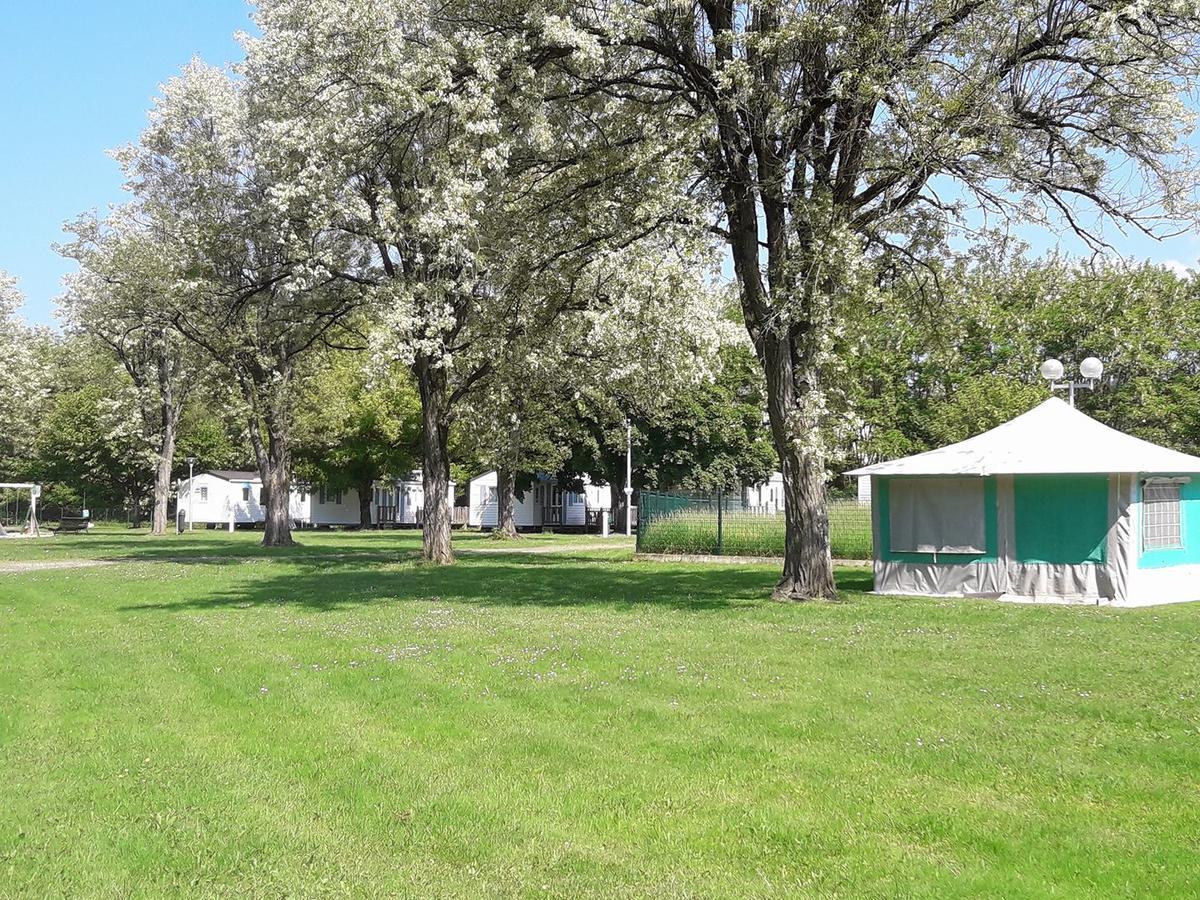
(73, 525)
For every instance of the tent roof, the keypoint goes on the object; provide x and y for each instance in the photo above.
(1050, 439)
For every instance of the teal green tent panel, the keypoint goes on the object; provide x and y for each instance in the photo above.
(1060, 519)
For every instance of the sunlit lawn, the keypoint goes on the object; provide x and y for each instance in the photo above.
(341, 720)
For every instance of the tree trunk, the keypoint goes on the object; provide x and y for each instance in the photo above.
(274, 457)
(506, 493)
(135, 508)
(617, 484)
(277, 487)
(807, 567)
(365, 488)
(166, 457)
(435, 460)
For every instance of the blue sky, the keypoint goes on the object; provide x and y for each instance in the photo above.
(78, 77)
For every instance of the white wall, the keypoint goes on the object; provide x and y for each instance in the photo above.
(864, 489)
(479, 500)
(485, 508)
(223, 501)
(331, 512)
(768, 496)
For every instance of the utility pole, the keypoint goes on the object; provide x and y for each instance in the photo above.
(191, 487)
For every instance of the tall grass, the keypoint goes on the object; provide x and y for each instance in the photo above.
(694, 531)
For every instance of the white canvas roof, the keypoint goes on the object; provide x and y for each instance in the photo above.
(1050, 439)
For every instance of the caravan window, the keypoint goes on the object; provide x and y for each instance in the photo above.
(1162, 523)
(936, 515)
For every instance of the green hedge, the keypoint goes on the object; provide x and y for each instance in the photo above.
(694, 531)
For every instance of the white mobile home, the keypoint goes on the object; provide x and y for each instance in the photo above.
(401, 501)
(224, 497)
(864, 490)
(317, 505)
(543, 505)
(765, 498)
(229, 498)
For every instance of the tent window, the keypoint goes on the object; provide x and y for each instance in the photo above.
(246, 492)
(937, 515)
(1162, 524)
(204, 493)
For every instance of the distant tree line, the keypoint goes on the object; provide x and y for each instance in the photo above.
(922, 369)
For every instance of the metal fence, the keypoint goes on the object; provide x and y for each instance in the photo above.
(724, 524)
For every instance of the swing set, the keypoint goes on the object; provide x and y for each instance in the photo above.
(30, 528)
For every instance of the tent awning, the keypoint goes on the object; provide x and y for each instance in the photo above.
(1050, 439)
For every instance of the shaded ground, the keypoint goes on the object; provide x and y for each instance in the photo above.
(122, 552)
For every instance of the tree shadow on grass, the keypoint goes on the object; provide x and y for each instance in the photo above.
(558, 581)
(218, 548)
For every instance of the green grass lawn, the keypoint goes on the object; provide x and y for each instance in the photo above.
(341, 720)
(122, 542)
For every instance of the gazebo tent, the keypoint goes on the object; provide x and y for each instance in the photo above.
(1050, 506)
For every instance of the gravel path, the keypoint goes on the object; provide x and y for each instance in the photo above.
(18, 567)
(515, 547)
(11, 567)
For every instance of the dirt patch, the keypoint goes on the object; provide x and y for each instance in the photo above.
(48, 564)
(514, 547)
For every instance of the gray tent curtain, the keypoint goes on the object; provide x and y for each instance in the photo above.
(936, 515)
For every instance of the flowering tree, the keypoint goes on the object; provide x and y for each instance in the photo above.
(466, 160)
(24, 387)
(834, 135)
(258, 268)
(634, 322)
(91, 444)
(118, 297)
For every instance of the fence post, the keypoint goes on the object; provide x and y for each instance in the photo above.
(637, 538)
(720, 522)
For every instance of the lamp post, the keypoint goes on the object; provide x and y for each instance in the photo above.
(1091, 369)
(191, 461)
